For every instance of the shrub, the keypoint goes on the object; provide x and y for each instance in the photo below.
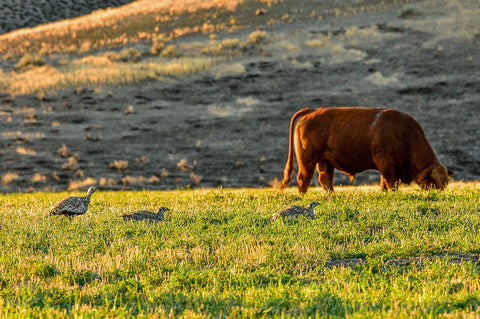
(170, 51)
(158, 45)
(118, 164)
(29, 60)
(408, 13)
(129, 55)
(257, 37)
(112, 56)
(126, 55)
(229, 44)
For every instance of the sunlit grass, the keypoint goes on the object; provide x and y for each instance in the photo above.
(127, 66)
(79, 52)
(147, 20)
(103, 72)
(217, 254)
(141, 20)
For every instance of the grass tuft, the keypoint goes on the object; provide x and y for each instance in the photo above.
(29, 60)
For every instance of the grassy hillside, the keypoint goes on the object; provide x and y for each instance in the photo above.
(146, 40)
(406, 254)
(146, 20)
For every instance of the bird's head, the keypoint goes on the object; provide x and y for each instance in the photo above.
(314, 204)
(91, 190)
(162, 210)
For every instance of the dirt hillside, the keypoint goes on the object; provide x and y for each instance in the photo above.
(228, 125)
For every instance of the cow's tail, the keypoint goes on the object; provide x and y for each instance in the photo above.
(287, 172)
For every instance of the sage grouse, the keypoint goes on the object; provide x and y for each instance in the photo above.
(295, 211)
(147, 215)
(74, 205)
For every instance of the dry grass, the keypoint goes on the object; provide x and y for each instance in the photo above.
(154, 179)
(142, 160)
(63, 151)
(169, 51)
(158, 44)
(74, 185)
(196, 179)
(153, 21)
(96, 71)
(29, 60)
(119, 164)
(164, 173)
(130, 110)
(141, 20)
(333, 50)
(228, 45)
(318, 42)
(184, 166)
(104, 181)
(9, 177)
(379, 79)
(228, 69)
(37, 178)
(25, 151)
(71, 164)
(139, 180)
(257, 37)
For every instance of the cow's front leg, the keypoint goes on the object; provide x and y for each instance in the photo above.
(383, 183)
(389, 181)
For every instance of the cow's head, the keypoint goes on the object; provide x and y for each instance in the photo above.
(435, 176)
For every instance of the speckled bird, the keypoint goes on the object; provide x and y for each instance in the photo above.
(295, 211)
(74, 205)
(147, 215)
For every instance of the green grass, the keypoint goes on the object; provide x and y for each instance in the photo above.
(217, 255)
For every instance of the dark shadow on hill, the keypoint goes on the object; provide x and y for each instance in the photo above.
(18, 14)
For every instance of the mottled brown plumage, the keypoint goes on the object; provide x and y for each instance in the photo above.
(74, 205)
(147, 215)
(295, 211)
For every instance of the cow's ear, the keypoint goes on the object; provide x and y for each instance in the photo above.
(450, 172)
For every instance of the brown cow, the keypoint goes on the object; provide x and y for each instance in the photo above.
(355, 139)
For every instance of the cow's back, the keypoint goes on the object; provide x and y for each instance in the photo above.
(341, 136)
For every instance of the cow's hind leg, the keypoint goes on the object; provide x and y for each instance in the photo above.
(389, 178)
(325, 175)
(305, 174)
